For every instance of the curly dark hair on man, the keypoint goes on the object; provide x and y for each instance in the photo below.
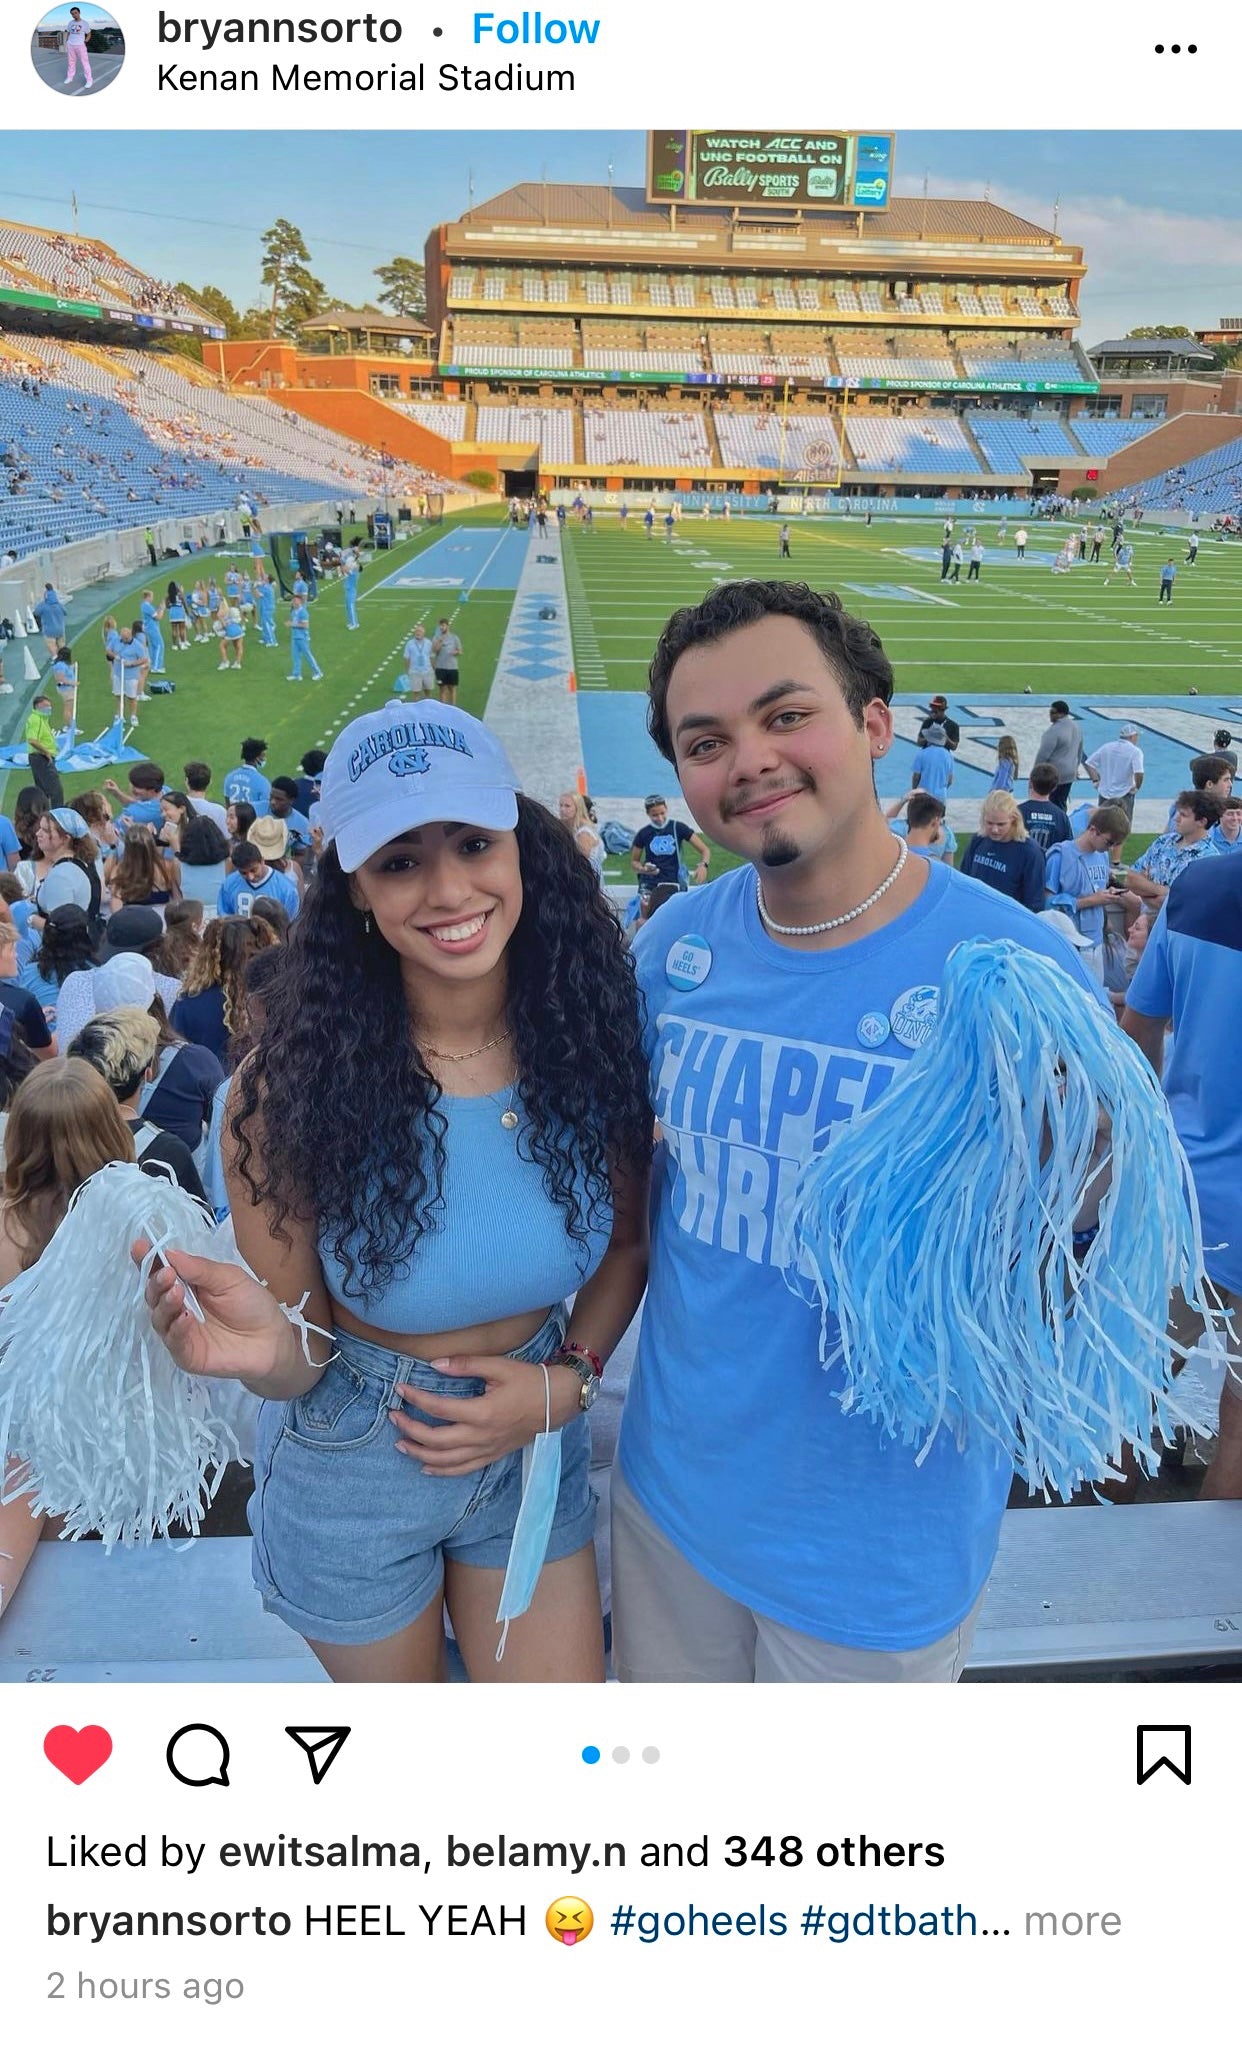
(849, 645)
(344, 1096)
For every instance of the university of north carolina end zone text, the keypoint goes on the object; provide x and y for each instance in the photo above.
(491, 31)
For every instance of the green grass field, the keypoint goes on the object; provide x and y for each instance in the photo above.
(212, 711)
(1020, 624)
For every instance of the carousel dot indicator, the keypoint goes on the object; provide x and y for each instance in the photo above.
(591, 1755)
(651, 1754)
(620, 1754)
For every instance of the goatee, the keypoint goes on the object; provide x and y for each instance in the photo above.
(778, 851)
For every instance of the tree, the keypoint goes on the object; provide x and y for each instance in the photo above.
(1159, 335)
(297, 294)
(405, 287)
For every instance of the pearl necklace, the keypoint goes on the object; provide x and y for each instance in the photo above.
(827, 925)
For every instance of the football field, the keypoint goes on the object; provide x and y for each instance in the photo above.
(998, 649)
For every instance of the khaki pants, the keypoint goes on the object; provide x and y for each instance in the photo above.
(670, 1624)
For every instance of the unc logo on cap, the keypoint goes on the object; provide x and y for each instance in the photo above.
(409, 762)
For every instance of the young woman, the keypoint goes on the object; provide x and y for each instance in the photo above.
(211, 1010)
(143, 876)
(1005, 775)
(200, 612)
(572, 811)
(204, 856)
(178, 615)
(65, 680)
(63, 1125)
(239, 817)
(176, 812)
(183, 933)
(1002, 855)
(63, 837)
(443, 1130)
(97, 813)
(65, 944)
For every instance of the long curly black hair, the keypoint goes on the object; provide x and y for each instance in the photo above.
(345, 1099)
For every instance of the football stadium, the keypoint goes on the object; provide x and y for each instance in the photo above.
(607, 403)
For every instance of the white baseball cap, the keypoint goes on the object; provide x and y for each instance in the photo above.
(1065, 926)
(394, 770)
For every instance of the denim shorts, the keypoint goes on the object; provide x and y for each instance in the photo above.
(351, 1536)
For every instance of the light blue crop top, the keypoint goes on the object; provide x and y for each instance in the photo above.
(498, 1245)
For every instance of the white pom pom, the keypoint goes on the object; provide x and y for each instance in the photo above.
(116, 1438)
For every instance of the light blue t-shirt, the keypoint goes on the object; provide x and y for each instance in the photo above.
(247, 786)
(732, 1439)
(944, 853)
(499, 1244)
(238, 896)
(9, 844)
(1068, 873)
(299, 617)
(935, 770)
(1191, 973)
(1216, 837)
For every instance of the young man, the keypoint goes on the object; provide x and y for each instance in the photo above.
(251, 878)
(142, 800)
(1116, 770)
(933, 764)
(197, 783)
(1210, 774)
(1226, 835)
(785, 541)
(655, 854)
(283, 805)
(1046, 823)
(300, 642)
(1168, 571)
(247, 784)
(1188, 840)
(1061, 744)
(446, 655)
(152, 632)
(1077, 877)
(761, 1532)
(418, 666)
(1123, 563)
(976, 561)
(1190, 976)
(938, 716)
(1019, 542)
(40, 737)
(923, 828)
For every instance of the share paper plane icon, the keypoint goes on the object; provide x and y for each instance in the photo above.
(321, 1743)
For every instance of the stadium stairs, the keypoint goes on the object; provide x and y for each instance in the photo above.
(1167, 447)
(977, 450)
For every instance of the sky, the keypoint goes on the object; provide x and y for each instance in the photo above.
(1159, 215)
(56, 17)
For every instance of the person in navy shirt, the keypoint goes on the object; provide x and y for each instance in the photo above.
(656, 851)
(1190, 978)
(247, 782)
(1002, 855)
(1045, 822)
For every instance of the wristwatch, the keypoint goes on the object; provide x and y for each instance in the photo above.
(587, 1367)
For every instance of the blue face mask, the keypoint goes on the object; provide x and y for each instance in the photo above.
(541, 1484)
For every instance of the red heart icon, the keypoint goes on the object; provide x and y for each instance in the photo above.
(78, 1754)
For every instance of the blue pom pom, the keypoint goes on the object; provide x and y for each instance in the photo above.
(938, 1233)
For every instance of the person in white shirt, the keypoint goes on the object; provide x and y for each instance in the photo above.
(419, 675)
(1116, 769)
(75, 47)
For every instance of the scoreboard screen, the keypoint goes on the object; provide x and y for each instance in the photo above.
(700, 167)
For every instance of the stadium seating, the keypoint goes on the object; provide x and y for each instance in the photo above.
(552, 427)
(122, 438)
(1207, 484)
(660, 437)
(921, 443)
(1021, 358)
(1010, 444)
(445, 417)
(1105, 437)
(779, 443)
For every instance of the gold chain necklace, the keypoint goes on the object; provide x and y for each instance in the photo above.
(442, 1054)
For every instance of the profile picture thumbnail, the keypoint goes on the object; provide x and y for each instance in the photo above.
(77, 50)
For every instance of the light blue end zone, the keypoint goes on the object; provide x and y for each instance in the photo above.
(478, 559)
